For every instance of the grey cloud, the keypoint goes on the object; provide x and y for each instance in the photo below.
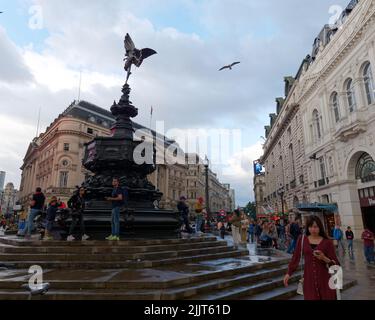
(12, 66)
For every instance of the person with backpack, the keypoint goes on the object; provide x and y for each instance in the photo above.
(338, 237)
(295, 232)
(117, 200)
(77, 204)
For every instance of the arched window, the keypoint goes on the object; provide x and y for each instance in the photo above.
(369, 83)
(365, 169)
(350, 95)
(335, 106)
(317, 124)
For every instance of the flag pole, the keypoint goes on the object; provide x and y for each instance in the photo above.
(151, 117)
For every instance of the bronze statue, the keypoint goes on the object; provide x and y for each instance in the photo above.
(134, 55)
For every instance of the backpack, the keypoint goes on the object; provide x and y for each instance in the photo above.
(125, 196)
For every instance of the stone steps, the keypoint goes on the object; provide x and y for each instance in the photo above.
(110, 256)
(208, 288)
(245, 272)
(14, 241)
(240, 291)
(95, 264)
(87, 248)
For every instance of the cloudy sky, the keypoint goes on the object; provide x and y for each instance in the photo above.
(45, 44)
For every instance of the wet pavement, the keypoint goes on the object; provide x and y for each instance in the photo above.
(359, 270)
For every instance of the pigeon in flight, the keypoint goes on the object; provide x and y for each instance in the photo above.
(229, 66)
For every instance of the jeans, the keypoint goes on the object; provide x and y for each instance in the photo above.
(251, 237)
(116, 221)
(185, 219)
(30, 221)
(369, 253)
(350, 246)
(340, 243)
(198, 223)
(75, 219)
(292, 246)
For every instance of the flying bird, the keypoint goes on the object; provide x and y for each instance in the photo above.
(229, 66)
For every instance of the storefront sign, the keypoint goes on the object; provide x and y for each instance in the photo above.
(367, 202)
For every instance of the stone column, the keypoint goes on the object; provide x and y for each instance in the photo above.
(350, 209)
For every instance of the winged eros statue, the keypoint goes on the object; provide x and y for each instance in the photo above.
(134, 55)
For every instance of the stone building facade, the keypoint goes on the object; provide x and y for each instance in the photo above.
(329, 112)
(54, 160)
(8, 199)
(283, 157)
(337, 98)
(259, 193)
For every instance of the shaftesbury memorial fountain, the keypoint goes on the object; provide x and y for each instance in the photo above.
(114, 156)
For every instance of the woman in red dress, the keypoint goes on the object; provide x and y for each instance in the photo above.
(319, 254)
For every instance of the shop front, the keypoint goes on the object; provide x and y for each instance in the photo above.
(367, 201)
(326, 212)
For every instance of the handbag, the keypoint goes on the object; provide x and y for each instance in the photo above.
(300, 282)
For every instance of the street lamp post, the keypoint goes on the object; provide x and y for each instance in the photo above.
(281, 194)
(206, 165)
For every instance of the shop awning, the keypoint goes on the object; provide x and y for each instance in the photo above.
(314, 207)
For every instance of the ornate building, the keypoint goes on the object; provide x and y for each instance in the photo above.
(332, 102)
(336, 94)
(8, 199)
(54, 160)
(284, 183)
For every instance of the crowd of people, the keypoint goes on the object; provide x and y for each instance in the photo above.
(281, 234)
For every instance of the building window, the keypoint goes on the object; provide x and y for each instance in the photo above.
(350, 94)
(369, 83)
(365, 169)
(331, 168)
(291, 159)
(317, 124)
(63, 182)
(322, 168)
(65, 163)
(335, 106)
(66, 147)
(90, 131)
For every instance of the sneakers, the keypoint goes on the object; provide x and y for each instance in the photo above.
(113, 238)
(85, 237)
(70, 238)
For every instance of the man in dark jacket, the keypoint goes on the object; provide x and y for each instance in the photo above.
(77, 204)
(184, 212)
(36, 207)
